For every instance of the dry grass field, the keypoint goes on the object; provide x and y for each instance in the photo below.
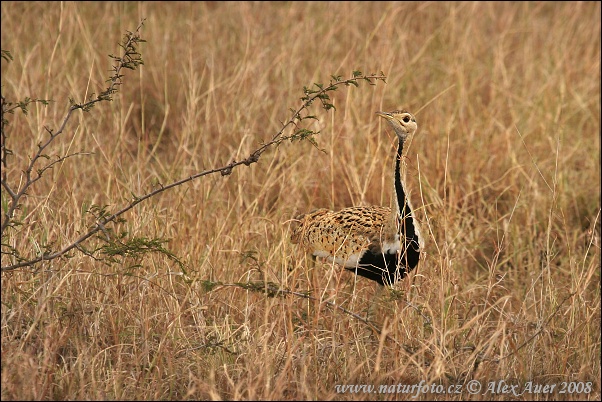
(209, 299)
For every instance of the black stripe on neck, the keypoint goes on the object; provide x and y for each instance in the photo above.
(408, 231)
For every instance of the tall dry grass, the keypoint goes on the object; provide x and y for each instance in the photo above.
(504, 172)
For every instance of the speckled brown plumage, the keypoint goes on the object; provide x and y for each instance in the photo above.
(344, 234)
(375, 242)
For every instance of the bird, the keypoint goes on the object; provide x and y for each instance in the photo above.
(375, 242)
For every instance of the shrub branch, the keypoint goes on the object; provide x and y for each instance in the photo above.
(131, 59)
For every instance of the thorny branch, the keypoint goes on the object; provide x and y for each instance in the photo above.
(318, 92)
(129, 59)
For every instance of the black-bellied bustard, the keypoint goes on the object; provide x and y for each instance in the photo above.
(375, 242)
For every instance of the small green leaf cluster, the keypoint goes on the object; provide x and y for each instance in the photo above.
(130, 59)
(321, 92)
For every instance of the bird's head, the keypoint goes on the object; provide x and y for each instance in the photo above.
(402, 121)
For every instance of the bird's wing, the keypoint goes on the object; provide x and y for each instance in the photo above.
(346, 233)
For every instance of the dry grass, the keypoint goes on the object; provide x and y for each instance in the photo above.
(505, 172)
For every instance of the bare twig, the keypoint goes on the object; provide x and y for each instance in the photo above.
(273, 289)
(541, 328)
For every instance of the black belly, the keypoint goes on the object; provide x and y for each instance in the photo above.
(386, 268)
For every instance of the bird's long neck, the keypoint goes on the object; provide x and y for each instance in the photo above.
(408, 230)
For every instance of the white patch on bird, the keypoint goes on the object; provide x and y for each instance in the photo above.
(351, 261)
(321, 254)
(392, 247)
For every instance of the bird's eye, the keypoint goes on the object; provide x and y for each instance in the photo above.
(406, 119)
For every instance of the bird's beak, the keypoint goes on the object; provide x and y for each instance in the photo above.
(386, 115)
